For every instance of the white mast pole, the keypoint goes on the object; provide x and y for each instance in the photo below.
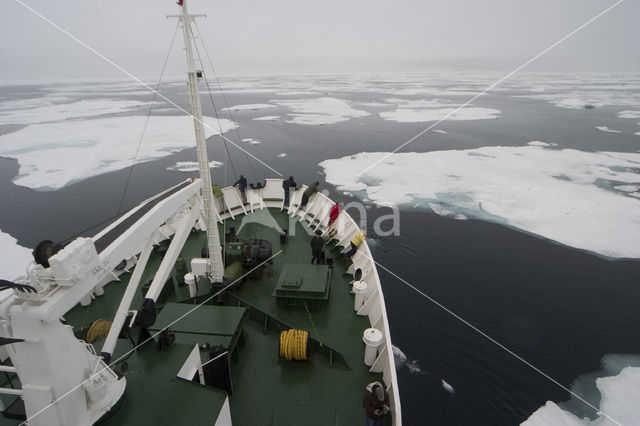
(215, 266)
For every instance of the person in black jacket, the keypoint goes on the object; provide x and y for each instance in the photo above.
(287, 185)
(376, 403)
(317, 244)
(242, 186)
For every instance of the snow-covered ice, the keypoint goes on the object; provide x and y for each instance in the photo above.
(541, 143)
(192, 166)
(65, 111)
(249, 107)
(446, 386)
(15, 258)
(441, 210)
(372, 104)
(422, 110)
(405, 115)
(297, 93)
(581, 99)
(615, 393)
(268, 118)
(53, 155)
(319, 111)
(628, 113)
(607, 130)
(31, 103)
(553, 193)
(400, 359)
(422, 103)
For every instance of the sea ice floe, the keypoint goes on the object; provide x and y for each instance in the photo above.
(249, 107)
(31, 103)
(407, 115)
(319, 111)
(628, 113)
(441, 210)
(422, 103)
(581, 99)
(557, 194)
(15, 258)
(607, 130)
(53, 155)
(411, 91)
(422, 110)
(297, 93)
(400, 360)
(192, 166)
(372, 104)
(65, 111)
(632, 190)
(446, 386)
(541, 143)
(268, 118)
(616, 393)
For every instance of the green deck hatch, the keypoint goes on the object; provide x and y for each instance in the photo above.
(300, 281)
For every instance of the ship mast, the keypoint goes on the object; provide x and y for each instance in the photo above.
(215, 266)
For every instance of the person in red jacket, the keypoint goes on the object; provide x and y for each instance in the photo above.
(334, 213)
(376, 403)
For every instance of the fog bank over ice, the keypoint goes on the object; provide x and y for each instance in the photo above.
(54, 155)
(319, 111)
(15, 259)
(567, 196)
(614, 390)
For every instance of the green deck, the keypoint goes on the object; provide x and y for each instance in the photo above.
(325, 390)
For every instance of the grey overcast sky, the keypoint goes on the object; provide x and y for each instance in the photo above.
(328, 36)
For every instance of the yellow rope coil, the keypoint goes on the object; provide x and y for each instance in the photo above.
(98, 328)
(293, 344)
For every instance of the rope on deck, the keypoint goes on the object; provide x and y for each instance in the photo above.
(98, 328)
(294, 345)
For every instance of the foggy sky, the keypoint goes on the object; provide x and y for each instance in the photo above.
(329, 36)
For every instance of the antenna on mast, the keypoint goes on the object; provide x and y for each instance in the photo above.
(215, 265)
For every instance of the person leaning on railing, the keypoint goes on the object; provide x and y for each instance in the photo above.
(312, 189)
(287, 185)
(357, 239)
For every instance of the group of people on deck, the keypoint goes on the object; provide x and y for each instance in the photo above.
(375, 400)
(317, 242)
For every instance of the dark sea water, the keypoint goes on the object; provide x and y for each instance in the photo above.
(559, 308)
